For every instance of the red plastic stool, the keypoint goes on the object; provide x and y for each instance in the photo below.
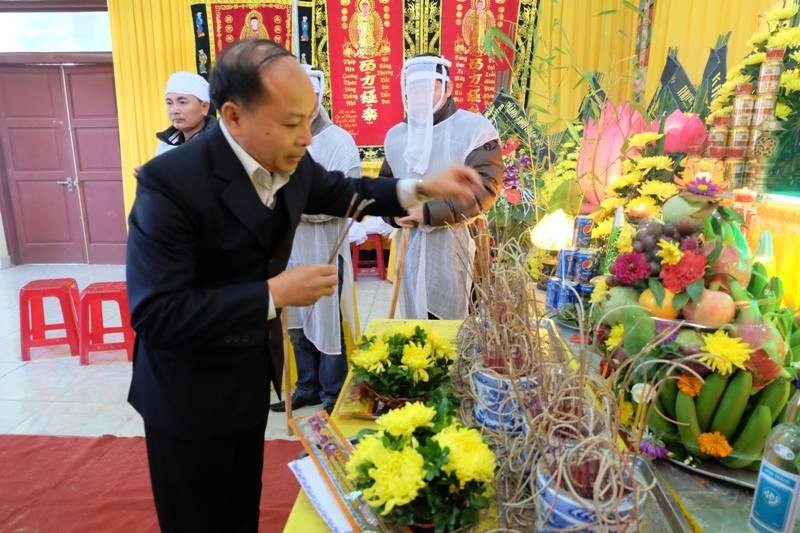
(93, 330)
(32, 326)
(367, 265)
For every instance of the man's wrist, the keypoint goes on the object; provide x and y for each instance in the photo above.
(419, 190)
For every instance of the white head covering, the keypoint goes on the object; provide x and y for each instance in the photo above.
(317, 78)
(183, 82)
(418, 83)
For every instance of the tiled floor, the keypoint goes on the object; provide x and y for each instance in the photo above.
(53, 395)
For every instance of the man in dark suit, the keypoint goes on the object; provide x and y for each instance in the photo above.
(210, 234)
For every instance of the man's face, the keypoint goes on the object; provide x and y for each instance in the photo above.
(438, 89)
(276, 132)
(479, 5)
(185, 111)
(254, 24)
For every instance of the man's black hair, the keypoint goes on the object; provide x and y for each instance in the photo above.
(236, 76)
(441, 69)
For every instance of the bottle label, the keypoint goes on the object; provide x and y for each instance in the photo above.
(775, 501)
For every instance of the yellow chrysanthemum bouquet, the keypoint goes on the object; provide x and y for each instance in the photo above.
(423, 468)
(404, 362)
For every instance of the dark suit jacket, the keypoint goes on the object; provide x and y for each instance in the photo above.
(201, 246)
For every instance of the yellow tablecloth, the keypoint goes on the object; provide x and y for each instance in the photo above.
(304, 518)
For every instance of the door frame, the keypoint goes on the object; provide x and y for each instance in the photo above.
(35, 59)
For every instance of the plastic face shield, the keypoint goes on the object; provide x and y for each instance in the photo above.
(317, 78)
(418, 80)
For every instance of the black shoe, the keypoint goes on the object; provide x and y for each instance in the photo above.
(297, 403)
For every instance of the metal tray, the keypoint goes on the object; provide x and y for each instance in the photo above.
(741, 477)
(661, 512)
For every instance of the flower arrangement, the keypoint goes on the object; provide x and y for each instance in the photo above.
(784, 34)
(422, 467)
(406, 361)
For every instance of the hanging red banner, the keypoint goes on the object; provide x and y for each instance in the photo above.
(365, 45)
(266, 20)
(464, 24)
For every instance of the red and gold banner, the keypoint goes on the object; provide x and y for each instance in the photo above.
(263, 20)
(365, 44)
(464, 24)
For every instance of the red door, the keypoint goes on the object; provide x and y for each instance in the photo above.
(93, 117)
(39, 166)
(60, 139)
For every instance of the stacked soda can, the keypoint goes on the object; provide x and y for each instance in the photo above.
(575, 268)
(736, 138)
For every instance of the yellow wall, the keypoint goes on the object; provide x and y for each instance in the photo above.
(577, 36)
(150, 39)
(693, 26)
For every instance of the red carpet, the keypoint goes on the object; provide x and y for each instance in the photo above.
(77, 484)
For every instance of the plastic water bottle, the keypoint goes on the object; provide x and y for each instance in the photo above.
(777, 493)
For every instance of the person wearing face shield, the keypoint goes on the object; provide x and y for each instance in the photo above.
(316, 330)
(436, 278)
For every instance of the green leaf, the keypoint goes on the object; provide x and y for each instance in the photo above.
(680, 300)
(714, 255)
(657, 289)
(567, 196)
(631, 6)
(732, 215)
(606, 12)
(695, 290)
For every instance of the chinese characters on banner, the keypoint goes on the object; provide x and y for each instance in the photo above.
(234, 22)
(464, 25)
(365, 43)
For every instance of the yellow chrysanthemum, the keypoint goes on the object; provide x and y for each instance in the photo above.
(403, 421)
(795, 56)
(714, 444)
(611, 203)
(600, 290)
(755, 58)
(567, 164)
(625, 239)
(615, 337)
(369, 450)
(417, 359)
(640, 140)
(626, 180)
(441, 347)
(724, 352)
(602, 229)
(758, 38)
(779, 12)
(655, 162)
(644, 206)
(625, 413)
(787, 38)
(470, 458)
(399, 476)
(790, 80)
(659, 189)
(373, 359)
(669, 252)
(782, 111)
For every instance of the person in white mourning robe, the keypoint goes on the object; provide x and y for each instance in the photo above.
(316, 331)
(437, 275)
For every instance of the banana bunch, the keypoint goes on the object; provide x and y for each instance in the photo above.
(766, 291)
(724, 405)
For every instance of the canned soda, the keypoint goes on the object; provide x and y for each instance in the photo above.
(553, 288)
(568, 294)
(582, 233)
(566, 264)
(586, 290)
(586, 264)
